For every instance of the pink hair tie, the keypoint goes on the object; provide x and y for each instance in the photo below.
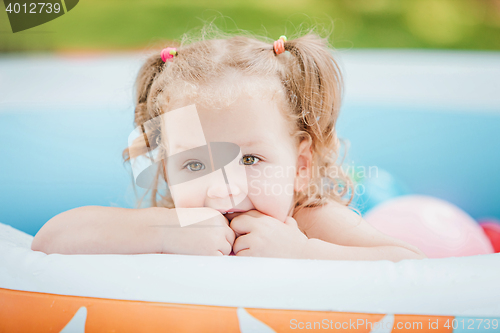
(279, 45)
(168, 53)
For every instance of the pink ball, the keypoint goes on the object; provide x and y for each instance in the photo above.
(438, 228)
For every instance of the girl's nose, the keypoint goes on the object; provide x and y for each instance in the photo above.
(222, 190)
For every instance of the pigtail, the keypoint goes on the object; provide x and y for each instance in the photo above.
(145, 78)
(314, 83)
(149, 71)
(319, 81)
(147, 74)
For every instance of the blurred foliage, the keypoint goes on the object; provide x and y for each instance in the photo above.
(129, 24)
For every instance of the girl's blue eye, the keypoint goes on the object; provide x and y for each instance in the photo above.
(249, 158)
(194, 166)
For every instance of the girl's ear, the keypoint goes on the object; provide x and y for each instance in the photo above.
(304, 165)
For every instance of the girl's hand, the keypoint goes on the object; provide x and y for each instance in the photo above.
(265, 236)
(212, 236)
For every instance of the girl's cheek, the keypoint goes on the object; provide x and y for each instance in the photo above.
(270, 181)
(253, 173)
(190, 194)
(271, 189)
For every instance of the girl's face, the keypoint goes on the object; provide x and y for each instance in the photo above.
(262, 177)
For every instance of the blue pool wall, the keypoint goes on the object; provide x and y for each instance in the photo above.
(57, 156)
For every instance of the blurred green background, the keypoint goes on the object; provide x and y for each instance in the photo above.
(95, 25)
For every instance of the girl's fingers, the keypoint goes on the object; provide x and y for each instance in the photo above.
(254, 213)
(230, 236)
(227, 249)
(241, 225)
(244, 253)
(245, 223)
(240, 244)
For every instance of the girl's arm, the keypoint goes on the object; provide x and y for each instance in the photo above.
(318, 249)
(336, 232)
(103, 230)
(113, 230)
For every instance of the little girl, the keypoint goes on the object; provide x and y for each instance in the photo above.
(278, 104)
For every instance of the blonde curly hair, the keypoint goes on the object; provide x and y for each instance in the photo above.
(308, 79)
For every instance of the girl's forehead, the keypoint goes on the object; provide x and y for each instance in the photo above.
(247, 122)
(246, 114)
(224, 90)
(236, 108)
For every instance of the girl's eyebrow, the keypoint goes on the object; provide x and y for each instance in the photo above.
(251, 143)
(265, 144)
(243, 144)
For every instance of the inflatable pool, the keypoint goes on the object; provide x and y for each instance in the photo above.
(431, 120)
(181, 293)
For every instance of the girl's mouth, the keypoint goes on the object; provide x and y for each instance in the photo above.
(231, 211)
(231, 214)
